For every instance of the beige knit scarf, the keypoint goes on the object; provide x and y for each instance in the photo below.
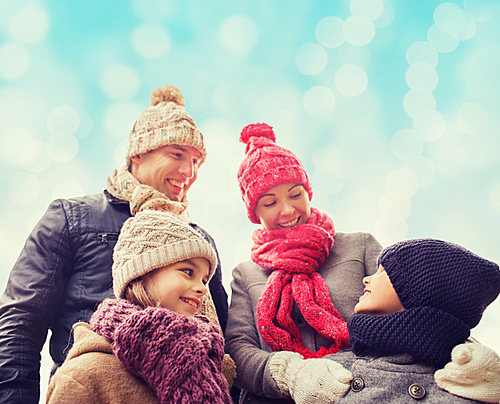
(123, 185)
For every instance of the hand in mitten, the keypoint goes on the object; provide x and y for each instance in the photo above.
(474, 372)
(110, 314)
(309, 380)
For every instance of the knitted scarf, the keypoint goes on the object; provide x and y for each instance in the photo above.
(294, 255)
(427, 333)
(179, 357)
(123, 185)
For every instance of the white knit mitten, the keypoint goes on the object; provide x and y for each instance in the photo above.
(474, 372)
(309, 380)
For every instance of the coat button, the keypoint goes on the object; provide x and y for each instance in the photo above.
(357, 384)
(417, 391)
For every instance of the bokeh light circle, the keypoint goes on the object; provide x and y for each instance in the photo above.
(63, 120)
(319, 101)
(481, 10)
(423, 168)
(389, 231)
(407, 144)
(14, 61)
(119, 118)
(440, 40)
(422, 51)
(472, 118)
(151, 41)
(238, 34)
(153, 10)
(329, 32)
(351, 80)
(415, 102)
(311, 59)
(67, 189)
(34, 157)
(326, 183)
(29, 25)
(12, 142)
(403, 181)
(358, 30)
(395, 205)
(24, 188)
(369, 8)
(387, 17)
(422, 77)
(429, 124)
(62, 148)
(120, 152)
(495, 196)
(120, 82)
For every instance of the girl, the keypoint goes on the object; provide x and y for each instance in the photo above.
(146, 346)
(304, 278)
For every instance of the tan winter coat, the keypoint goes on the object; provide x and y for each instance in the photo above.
(93, 374)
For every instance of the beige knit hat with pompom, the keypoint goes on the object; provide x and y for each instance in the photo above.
(165, 122)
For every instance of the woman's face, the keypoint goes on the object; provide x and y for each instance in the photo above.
(283, 206)
(379, 297)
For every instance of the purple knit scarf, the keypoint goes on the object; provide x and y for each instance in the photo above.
(179, 357)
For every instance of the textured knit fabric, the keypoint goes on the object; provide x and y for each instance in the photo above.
(294, 255)
(165, 122)
(423, 270)
(178, 356)
(474, 372)
(352, 257)
(151, 240)
(93, 374)
(444, 289)
(124, 186)
(265, 166)
(388, 379)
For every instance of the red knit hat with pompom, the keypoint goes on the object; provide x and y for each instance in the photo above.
(265, 166)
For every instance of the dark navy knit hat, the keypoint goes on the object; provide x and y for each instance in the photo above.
(442, 275)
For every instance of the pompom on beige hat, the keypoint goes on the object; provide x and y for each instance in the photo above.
(165, 122)
(152, 240)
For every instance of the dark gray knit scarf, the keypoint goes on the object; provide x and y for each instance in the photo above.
(427, 333)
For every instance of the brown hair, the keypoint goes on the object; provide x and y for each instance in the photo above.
(136, 293)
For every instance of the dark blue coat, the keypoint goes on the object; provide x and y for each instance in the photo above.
(62, 274)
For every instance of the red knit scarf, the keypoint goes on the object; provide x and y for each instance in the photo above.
(294, 255)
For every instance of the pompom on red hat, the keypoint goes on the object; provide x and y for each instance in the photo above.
(265, 166)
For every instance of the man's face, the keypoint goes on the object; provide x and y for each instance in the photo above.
(170, 169)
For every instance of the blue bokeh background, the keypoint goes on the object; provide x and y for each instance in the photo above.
(391, 105)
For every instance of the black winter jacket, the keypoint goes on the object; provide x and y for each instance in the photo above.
(62, 274)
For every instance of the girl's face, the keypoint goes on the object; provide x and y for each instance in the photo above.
(285, 205)
(379, 297)
(179, 287)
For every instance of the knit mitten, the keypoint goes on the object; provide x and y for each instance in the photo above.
(474, 372)
(110, 314)
(309, 380)
(179, 357)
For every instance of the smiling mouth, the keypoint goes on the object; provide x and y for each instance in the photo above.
(291, 223)
(176, 183)
(191, 302)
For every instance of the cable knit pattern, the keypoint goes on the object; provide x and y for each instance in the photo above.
(179, 357)
(294, 255)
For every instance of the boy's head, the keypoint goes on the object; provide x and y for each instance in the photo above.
(441, 275)
(153, 240)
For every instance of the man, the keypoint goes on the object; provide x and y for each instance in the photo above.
(64, 270)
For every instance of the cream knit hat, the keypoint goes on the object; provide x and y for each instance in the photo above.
(152, 240)
(165, 122)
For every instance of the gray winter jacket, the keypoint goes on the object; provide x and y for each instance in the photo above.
(352, 257)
